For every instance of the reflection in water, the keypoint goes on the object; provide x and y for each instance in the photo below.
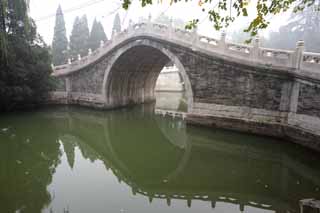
(76, 160)
(171, 101)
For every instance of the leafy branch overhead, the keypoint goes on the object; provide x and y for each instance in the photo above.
(223, 12)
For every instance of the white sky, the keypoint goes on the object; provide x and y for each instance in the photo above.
(43, 11)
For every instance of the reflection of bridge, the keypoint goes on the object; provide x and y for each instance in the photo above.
(247, 88)
(252, 174)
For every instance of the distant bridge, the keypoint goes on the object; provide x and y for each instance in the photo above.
(247, 88)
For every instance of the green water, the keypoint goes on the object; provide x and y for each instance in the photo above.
(78, 160)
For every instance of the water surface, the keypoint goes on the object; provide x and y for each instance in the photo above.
(84, 161)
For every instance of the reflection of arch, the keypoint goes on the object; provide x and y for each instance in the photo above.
(139, 168)
(174, 131)
(211, 151)
(123, 89)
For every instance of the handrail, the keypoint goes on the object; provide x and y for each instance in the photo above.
(297, 59)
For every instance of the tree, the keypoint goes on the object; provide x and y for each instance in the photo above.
(116, 24)
(25, 61)
(223, 12)
(14, 20)
(60, 41)
(97, 34)
(166, 20)
(304, 26)
(79, 37)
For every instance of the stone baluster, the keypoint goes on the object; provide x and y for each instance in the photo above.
(79, 57)
(241, 207)
(298, 55)
(69, 61)
(101, 44)
(149, 23)
(149, 17)
(170, 29)
(222, 42)
(130, 25)
(168, 201)
(195, 36)
(89, 52)
(150, 198)
(189, 202)
(213, 204)
(256, 48)
(171, 23)
(134, 190)
(52, 67)
(113, 35)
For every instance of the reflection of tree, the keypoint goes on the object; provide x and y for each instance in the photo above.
(222, 166)
(69, 144)
(26, 166)
(166, 20)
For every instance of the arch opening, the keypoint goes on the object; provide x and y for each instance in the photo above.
(132, 75)
(170, 89)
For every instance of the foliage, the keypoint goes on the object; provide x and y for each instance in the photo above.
(25, 60)
(116, 24)
(223, 12)
(79, 37)
(60, 41)
(302, 26)
(97, 34)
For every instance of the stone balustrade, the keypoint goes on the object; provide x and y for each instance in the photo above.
(297, 59)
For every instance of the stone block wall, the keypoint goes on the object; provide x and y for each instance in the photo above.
(309, 100)
(89, 80)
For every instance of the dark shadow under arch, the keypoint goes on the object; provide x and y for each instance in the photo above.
(133, 71)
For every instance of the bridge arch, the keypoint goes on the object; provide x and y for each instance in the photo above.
(132, 72)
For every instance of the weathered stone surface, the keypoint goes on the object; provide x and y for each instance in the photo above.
(222, 82)
(89, 80)
(309, 100)
(60, 84)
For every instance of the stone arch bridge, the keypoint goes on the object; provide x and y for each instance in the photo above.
(246, 88)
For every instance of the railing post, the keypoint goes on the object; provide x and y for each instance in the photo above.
(130, 25)
(195, 37)
(256, 48)
(113, 35)
(69, 61)
(170, 29)
(222, 42)
(101, 44)
(149, 24)
(79, 57)
(298, 55)
(89, 51)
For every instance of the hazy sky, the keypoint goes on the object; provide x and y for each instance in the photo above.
(104, 10)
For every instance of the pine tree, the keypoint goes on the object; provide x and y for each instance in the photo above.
(60, 41)
(97, 34)
(79, 37)
(116, 24)
(304, 25)
(166, 20)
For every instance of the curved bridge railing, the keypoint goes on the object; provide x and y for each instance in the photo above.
(294, 60)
